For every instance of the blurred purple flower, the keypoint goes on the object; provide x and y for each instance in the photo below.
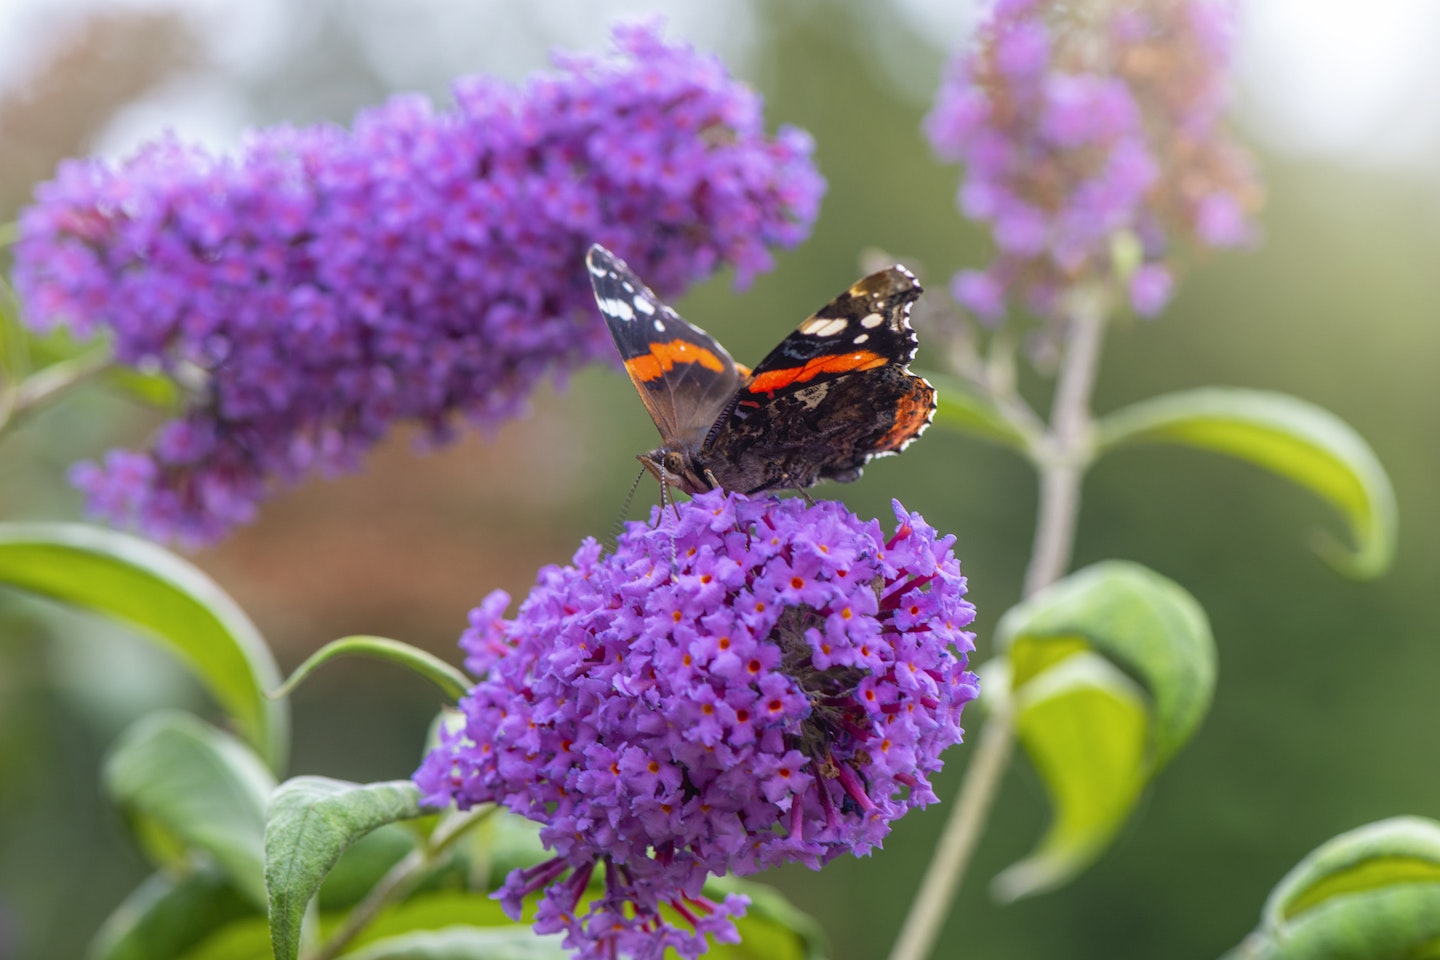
(756, 682)
(1081, 122)
(424, 266)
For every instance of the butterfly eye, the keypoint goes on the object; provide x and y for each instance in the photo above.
(674, 463)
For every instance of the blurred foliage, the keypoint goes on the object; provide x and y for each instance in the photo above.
(1324, 712)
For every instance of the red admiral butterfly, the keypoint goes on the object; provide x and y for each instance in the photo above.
(831, 396)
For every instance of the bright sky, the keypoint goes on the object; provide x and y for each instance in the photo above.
(1317, 78)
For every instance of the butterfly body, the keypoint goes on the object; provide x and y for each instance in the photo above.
(834, 394)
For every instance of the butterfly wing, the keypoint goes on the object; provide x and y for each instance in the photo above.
(683, 376)
(831, 396)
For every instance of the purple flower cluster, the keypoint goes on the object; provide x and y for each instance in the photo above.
(751, 683)
(425, 266)
(1084, 125)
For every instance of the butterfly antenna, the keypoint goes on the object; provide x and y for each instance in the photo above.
(618, 527)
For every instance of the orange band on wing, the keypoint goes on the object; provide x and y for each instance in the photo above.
(912, 414)
(772, 380)
(663, 357)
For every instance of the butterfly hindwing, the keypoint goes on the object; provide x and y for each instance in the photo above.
(684, 376)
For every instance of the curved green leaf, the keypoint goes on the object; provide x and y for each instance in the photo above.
(164, 598)
(960, 408)
(1395, 851)
(165, 917)
(1287, 436)
(190, 787)
(312, 821)
(1084, 726)
(1371, 892)
(451, 681)
(1111, 670)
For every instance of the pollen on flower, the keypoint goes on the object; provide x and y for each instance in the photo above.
(794, 739)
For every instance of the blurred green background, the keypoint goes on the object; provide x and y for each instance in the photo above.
(1326, 711)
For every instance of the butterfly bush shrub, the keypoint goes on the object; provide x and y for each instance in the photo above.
(741, 682)
(322, 284)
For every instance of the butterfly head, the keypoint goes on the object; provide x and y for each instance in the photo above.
(676, 468)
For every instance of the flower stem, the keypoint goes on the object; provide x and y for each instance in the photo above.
(34, 392)
(1067, 450)
(1062, 457)
(957, 842)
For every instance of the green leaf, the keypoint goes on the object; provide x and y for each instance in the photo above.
(164, 598)
(1111, 671)
(451, 681)
(960, 408)
(465, 943)
(312, 821)
(150, 388)
(165, 917)
(1395, 851)
(1371, 892)
(1083, 725)
(1287, 436)
(191, 788)
(245, 939)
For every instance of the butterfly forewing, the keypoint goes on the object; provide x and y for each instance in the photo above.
(684, 377)
(864, 328)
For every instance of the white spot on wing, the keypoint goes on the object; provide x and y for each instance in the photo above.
(861, 339)
(597, 269)
(823, 326)
(871, 320)
(617, 308)
(644, 306)
(659, 325)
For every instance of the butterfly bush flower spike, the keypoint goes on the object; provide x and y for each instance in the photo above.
(1082, 125)
(321, 285)
(753, 682)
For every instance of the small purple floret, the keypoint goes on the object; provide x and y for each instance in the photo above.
(754, 683)
(425, 266)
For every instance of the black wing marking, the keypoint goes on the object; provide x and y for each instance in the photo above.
(864, 328)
